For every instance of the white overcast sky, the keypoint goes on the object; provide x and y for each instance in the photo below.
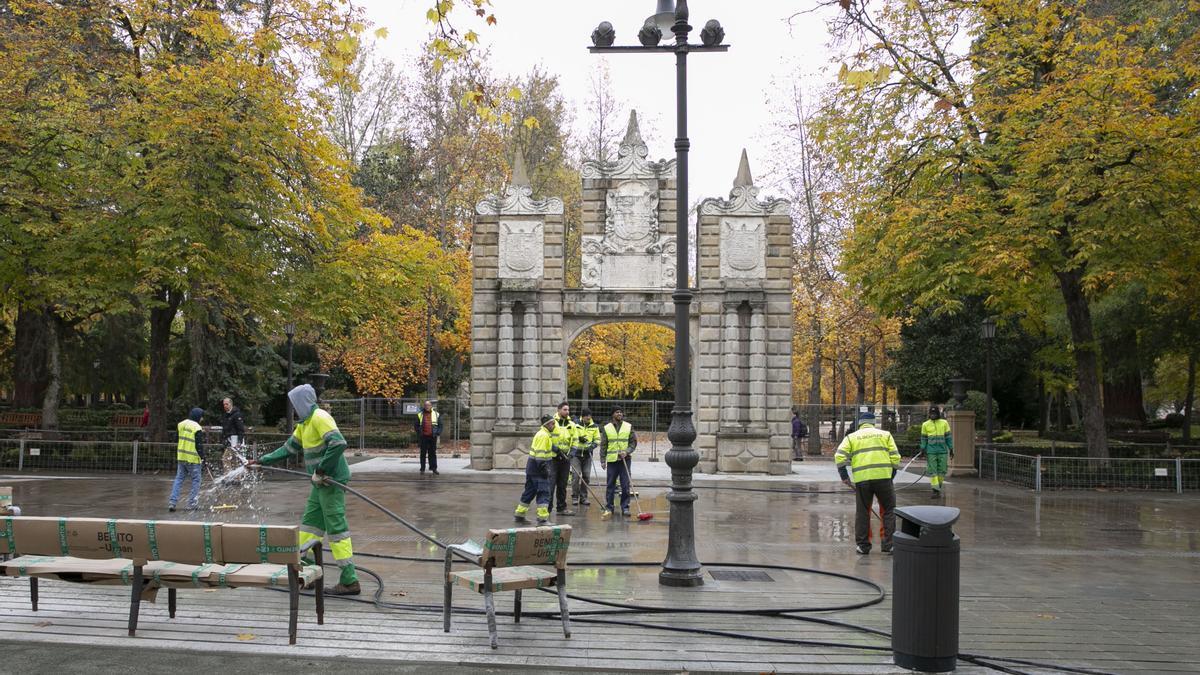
(728, 92)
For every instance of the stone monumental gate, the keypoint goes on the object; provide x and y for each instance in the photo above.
(525, 318)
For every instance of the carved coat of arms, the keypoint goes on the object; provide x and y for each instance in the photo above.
(521, 250)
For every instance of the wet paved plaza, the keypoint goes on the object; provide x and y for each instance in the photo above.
(1103, 581)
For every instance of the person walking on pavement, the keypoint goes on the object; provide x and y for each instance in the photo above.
(233, 434)
(873, 459)
(189, 455)
(587, 438)
(537, 473)
(937, 444)
(428, 427)
(617, 443)
(319, 442)
(799, 433)
(560, 467)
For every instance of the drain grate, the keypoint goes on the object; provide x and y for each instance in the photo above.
(740, 575)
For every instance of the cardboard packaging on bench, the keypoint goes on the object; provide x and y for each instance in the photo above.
(245, 544)
(134, 539)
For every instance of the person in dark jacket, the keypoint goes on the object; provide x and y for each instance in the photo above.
(233, 434)
(799, 433)
(428, 427)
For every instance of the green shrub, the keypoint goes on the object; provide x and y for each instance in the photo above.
(913, 434)
(1003, 437)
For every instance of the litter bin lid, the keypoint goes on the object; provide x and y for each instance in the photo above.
(932, 517)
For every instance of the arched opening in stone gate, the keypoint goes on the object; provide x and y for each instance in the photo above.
(625, 363)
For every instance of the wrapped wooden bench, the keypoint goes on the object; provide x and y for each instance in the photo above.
(148, 555)
(507, 560)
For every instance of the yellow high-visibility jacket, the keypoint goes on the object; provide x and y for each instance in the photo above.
(870, 453)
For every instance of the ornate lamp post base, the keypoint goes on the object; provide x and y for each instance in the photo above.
(681, 567)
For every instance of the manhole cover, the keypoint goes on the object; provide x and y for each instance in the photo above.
(740, 575)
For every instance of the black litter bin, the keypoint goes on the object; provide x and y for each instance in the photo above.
(925, 589)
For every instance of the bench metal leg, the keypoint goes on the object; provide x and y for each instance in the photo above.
(319, 591)
(561, 582)
(293, 602)
(446, 608)
(135, 599)
(33, 592)
(517, 608)
(171, 602)
(489, 605)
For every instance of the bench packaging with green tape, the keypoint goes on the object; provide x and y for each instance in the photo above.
(260, 544)
(5, 499)
(100, 538)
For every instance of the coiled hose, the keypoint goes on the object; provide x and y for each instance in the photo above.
(624, 608)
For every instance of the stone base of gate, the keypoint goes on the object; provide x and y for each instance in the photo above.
(745, 452)
(510, 448)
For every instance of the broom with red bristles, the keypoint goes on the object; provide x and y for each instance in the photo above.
(642, 515)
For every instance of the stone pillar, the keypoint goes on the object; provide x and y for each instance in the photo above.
(504, 367)
(730, 381)
(962, 433)
(758, 366)
(530, 345)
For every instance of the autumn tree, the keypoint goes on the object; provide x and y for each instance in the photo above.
(627, 359)
(1039, 154)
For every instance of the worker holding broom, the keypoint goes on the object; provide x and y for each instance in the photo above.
(617, 443)
(322, 446)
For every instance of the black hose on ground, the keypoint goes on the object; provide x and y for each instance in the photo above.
(629, 608)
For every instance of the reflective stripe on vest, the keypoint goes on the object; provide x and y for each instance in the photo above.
(868, 453)
(185, 451)
(618, 440)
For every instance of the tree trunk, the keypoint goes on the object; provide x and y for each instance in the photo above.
(1043, 408)
(1123, 398)
(431, 382)
(161, 318)
(861, 375)
(814, 391)
(1189, 398)
(53, 371)
(842, 415)
(1087, 361)
(29, 358)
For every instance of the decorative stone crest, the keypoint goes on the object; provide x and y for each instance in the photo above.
(631, 159)
(743, 248)
(521, 249)
(517, 199)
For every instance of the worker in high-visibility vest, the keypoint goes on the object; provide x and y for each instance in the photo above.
(617, 443)
(537, 473)
(318, 440)
(563, 437)
(937, 445)
(872, 459)
(587, 439)
(428, 427)
(189, 452)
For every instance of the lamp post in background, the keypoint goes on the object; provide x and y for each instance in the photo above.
(681, 567)
(988, 332)
(289, 330)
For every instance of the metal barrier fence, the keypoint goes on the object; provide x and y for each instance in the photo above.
(1042, 472)
(102, 456)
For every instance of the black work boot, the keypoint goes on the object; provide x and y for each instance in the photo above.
(343, 589)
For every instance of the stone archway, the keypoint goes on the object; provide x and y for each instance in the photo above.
(575, 326)
(525, 318)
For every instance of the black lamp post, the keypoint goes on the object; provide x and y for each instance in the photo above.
(988, 332)
(681, 566)
(289, 330)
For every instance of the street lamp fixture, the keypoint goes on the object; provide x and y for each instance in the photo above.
(681, 567)
(289, 329)
(988, 333)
